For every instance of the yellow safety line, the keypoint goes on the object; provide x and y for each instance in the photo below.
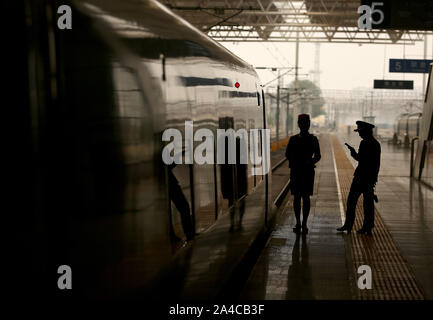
(340, 200)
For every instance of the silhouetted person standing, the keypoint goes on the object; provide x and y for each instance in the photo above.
(365, 178)
(303, 152)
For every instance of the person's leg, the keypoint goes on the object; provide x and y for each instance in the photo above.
(305, 209)
(241, 212)
(182, 206)
(232, 213)
(368, 209)
(352, 200)
(297, 208)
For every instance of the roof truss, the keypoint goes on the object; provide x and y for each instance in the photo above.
(285, 21)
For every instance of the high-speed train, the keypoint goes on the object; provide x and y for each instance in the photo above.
(406, 127)
(96, 99)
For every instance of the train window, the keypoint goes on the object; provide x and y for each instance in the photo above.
(172, 48)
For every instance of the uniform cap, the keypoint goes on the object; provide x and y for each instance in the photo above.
(303, 117)
(362, 125)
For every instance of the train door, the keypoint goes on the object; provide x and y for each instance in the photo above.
(266, 147)
(256, 146)
(424, 156)
(426, 167)
(179, 97)
(227, 170)
(255, 179)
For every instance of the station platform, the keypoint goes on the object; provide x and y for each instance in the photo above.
(324, 264)
(253, 262)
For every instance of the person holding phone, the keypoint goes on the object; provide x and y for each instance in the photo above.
(364, 178)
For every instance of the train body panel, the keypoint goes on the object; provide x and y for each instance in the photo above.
(127, 71)
(407, 127)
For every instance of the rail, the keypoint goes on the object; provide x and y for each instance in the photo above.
(278, 164)
(284, 191)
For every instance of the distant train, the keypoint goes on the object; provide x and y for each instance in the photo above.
(95, 103)
(406, 127)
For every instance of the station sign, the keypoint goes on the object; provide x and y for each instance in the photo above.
(393, 84)
(409, 65)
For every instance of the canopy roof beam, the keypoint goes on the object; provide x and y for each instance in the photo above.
(278, 20)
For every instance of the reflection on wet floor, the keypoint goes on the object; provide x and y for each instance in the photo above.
(299, 279)
(407, 209)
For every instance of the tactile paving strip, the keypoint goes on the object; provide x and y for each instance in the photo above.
(392, 278)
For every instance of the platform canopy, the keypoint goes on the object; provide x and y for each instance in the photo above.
(286, 21)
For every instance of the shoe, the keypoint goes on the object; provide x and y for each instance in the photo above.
(362, 231)
(344, 228)
(304, 230)
(297, 229)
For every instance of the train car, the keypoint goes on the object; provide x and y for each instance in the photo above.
(413, 125)
(99, 97)
(400, 128)
(406, 127)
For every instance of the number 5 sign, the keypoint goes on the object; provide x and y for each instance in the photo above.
(365, 21)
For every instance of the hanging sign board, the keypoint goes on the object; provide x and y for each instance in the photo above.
(409, 65)
(393, 84)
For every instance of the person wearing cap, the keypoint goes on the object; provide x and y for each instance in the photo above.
(303, 152)
(364, 178)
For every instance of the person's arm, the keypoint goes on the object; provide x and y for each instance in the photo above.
(316, 148)
(288, 149)
(290, 153)
(353, 153)
(377, 163)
